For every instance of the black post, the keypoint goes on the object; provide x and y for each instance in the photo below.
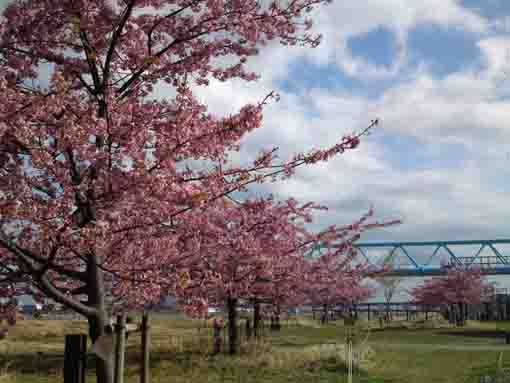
(257, 320)
(368, 307)
(145, 363)
(83, 357)
(232, 325)
(74, 358)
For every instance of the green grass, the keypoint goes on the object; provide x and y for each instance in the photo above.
(302, 352)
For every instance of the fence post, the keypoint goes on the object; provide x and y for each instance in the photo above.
(145, 370)
(74, 358)
(120, 332)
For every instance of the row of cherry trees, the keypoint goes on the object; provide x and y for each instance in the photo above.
(259, 255)
(107, 191)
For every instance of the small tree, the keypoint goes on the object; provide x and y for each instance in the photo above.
(333, 279)
(389, 283)
(460, 286)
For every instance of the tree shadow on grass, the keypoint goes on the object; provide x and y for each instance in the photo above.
(476, 333)
(32, 363)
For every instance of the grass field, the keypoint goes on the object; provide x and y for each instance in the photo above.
(302, 352)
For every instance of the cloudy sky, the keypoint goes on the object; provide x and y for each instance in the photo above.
(437, 74)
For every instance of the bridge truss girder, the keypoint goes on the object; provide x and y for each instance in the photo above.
(497, 264)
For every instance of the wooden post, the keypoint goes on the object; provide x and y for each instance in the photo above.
(74, 358)
(120, 331)
(145, 363)
(225, 339)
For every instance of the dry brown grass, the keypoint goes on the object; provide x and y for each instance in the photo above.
(181, 352)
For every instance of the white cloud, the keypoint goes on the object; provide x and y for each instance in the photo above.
(497, 56)
(451, 201)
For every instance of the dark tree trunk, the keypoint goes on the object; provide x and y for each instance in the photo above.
(256, 318)
(324, 314)
(248, 329)
(462, 314)
(451, 314)
(232, 325)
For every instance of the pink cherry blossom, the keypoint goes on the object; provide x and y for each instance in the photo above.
(107, 193)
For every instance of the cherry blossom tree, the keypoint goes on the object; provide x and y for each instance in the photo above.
(332, 281)
(243, 251)
(460, 286)
(96, 177)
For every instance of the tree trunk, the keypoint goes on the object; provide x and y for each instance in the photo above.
(462, 314)
(451, 314)
(256, 318)
(98, 323)
(104, 368)
(232, 325)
